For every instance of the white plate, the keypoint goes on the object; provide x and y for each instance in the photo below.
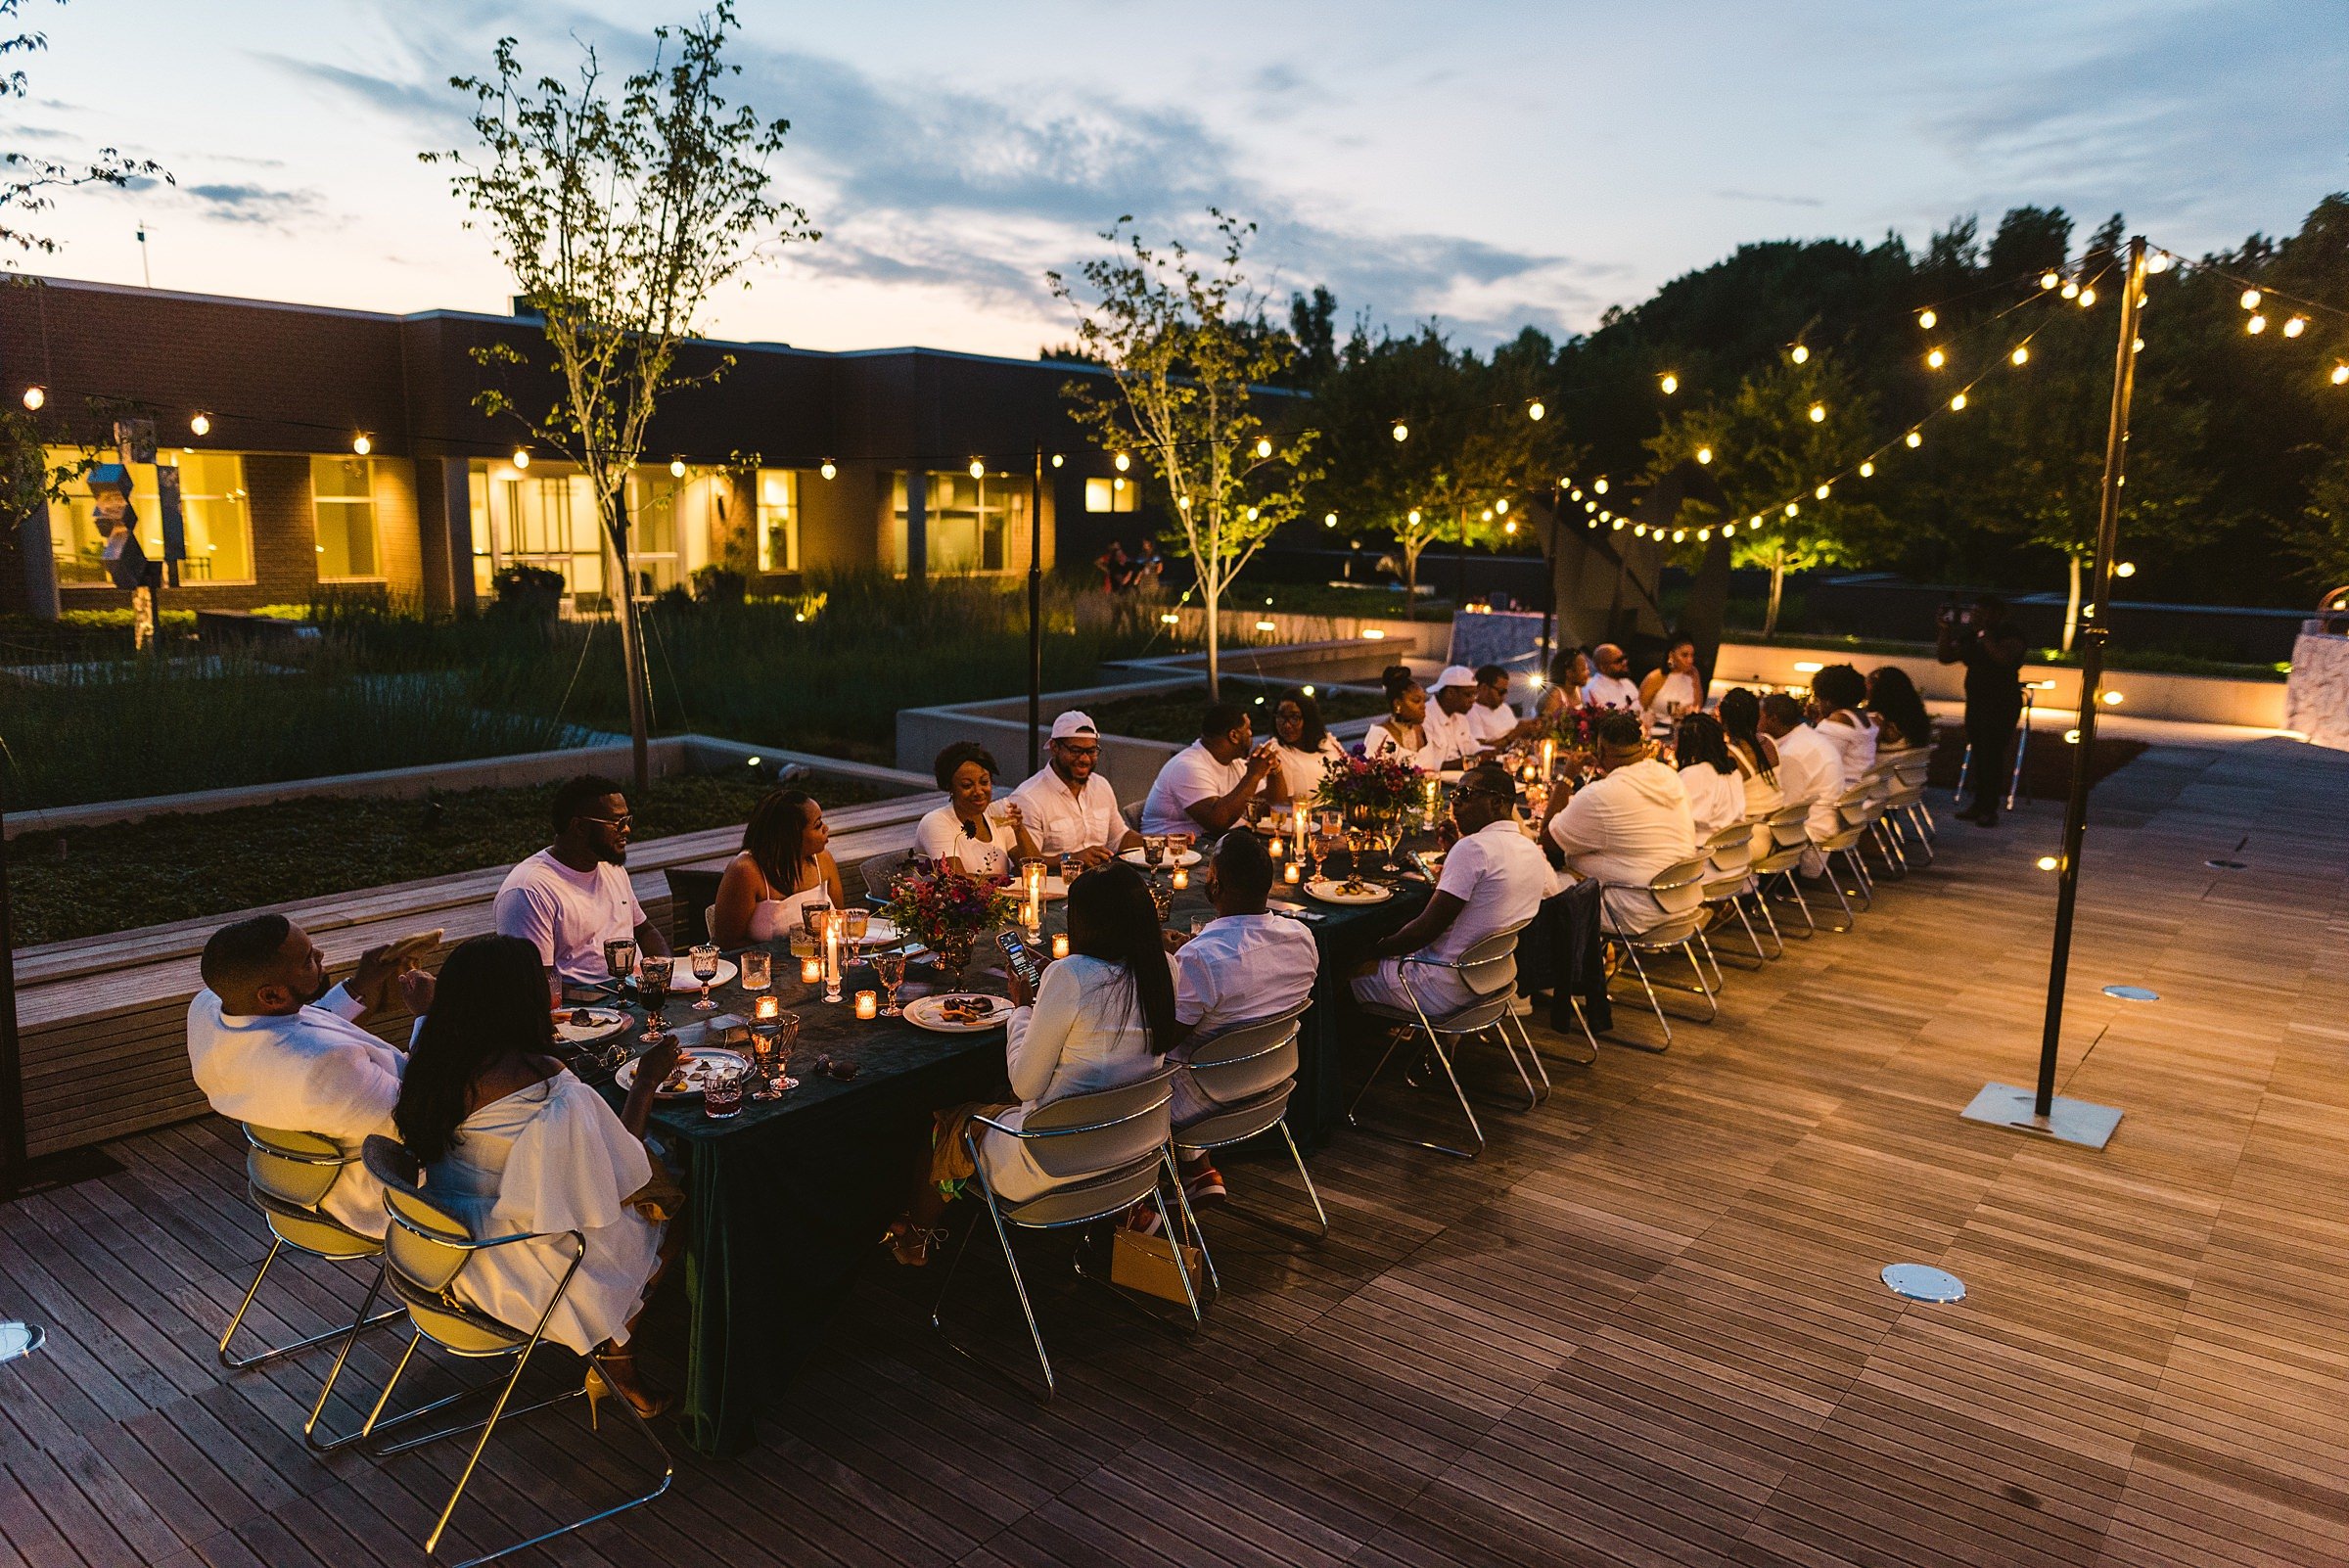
(695, 1063)
(604, 1022)
(1328, 892)
(927, 1012)
(682, 979)
(1137, 857)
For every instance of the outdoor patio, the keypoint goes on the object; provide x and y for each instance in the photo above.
(1646, 1327)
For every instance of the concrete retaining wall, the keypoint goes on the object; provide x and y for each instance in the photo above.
(2143, 694)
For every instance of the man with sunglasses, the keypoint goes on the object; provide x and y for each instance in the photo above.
(1493, 877)
(574, 896)
(1069, 808)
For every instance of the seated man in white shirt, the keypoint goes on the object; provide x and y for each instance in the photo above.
(1610, 684)
(1627, 825)
(1492, 721)
(1067, 806)
(267, 1047)
(574, 896)
(1493, 877)
(1244, 965)
(1809, 771)
(1205, 787)
(1449, 702)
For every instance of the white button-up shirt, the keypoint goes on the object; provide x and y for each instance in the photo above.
(1490, 727)
(1064, 821)
(1611, 691)
(1238, 969)
(312, 1070)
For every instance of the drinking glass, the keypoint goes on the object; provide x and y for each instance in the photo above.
(812, 920)
(1154, 849)
(859, 921)
(1162, 898)
(704, 970)
(653, 973)
(1179, 843)
(1390, 838)
(890, 969)
(1069, 869)
(722, 1089)
(757, 969)
(620, 958)
(771, 1039)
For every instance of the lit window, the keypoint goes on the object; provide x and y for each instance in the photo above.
(778, 520)
(972, 525)
(1119, 494)
(342, 500)
(215, 519)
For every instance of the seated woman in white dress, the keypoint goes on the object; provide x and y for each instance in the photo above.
(1839, 714)
(1757, 757)
(1302, 745)
(1569, 671)
(970, 830)
(1404, 732)
(512, 1144)
(1670, 690)
(783, 868)
(1709, 773)
(1101, 1017)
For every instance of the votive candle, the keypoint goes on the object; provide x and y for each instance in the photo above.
(1060, 945)
(868, 1005)
(1182, 878)
(1278, 848)
(812, 970)
(1290, 874)
(767, 1009)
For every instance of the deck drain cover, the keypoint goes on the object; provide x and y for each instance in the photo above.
(18, 1339)
(2133, 993)
(1924, 1282)
(2227, 866)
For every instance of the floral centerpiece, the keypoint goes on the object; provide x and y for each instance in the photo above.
(1365, 787)
(948, 910)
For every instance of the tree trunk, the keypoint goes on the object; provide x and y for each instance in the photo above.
(1211, 594)
(632, 652)
(2071, 599)
(1410, 581)
(1777, 589)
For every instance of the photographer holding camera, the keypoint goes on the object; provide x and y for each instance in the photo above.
(1981, 638)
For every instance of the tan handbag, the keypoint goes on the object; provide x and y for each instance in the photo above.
(1146, 1264)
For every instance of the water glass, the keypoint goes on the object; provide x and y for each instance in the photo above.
(704, 970)
(1179, 844)
(722, 1089)
(1154, 849)
(812, 920)
(757, 969)
(620, 957)
(1071, 868)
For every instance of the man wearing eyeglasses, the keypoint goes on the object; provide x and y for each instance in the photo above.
(1067, 806)
(574, 896)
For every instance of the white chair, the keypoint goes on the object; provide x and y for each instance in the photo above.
(1678, 893)
(1248, 1071)
(1729, 880)
(1488, 969)
(1105, 1152)
(1856, 810)
(289, 1174)
(1905, 806)
(426, 1249)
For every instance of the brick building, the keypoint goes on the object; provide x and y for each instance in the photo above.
(341, 451)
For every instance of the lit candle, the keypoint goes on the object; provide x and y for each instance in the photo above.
(1298, 834)
(1060, 945)
(1550, 757)
(1278, 848)
(767, 1009)
(812, 970)
(1182, 879)
(832, 957)
(1035, 870)
(868, 1005)
(1290, 875)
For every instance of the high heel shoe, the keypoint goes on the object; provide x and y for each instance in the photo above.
(598, 1388)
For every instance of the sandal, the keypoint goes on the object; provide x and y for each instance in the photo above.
(600, 1385)
(909, 1244)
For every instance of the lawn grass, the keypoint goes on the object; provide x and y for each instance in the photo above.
(86, 881)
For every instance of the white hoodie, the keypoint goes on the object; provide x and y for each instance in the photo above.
(1624, 829)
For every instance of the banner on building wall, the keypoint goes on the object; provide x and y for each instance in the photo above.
(134, 440)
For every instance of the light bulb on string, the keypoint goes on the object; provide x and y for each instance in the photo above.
(1678, 534)
(1818, 413)
(35, 396)
(2296, 326)
(1057, 460)
(2137, 345)
(1412, 517)
(1252, 514)
(2256, 325)
(677, 468)
(2020, 357)
(1799, 354)
(201, 424)
(1704, 454)
(2088, 296)
(2071, 291)
(1263, 447)
(361, 444)
(829, 469)
(1868, 470)
(522, 457)
(1402, 432)
(1589, 507)
(1534, 410)
(1926, 319)
(1487, 517)
(2340, 375)
(1501, 505)
(1601, 486)
(1935, 360)
(1330, 520)
(1511, 528)
(2125, 568)
(1574, 494)
(2049, 279)
(1915, 439)
(1793, 508)
(1704, 535)
(1121, 462)
(1617, 523)
(1670, 383)
(1604, 514)
(1640, 531)
(1958, 403)
(1184, 503)
(977, 468)
(1757, 521)
(1821, 491)
(2250, 300)
(1728, 529)
(2158, 262)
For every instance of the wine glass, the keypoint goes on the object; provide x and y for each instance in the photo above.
(620, 960)
(704, 970)
(771, 1039)
(890, 969)
(1390, 839)
(653, 974)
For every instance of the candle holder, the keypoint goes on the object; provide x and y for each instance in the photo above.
(832, 965)
(1060, 945)
(868, 1005)
(1182, 879)
(812, 970)
(1291, 875)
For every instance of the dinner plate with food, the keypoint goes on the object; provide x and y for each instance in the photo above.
(1330, 890)
(958, 1012)
(684, 1080)
(582, 1026)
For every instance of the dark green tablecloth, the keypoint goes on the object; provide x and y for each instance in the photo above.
(787, 1200)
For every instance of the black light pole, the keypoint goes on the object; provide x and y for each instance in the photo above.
(2075, 1121)
(1036, 612)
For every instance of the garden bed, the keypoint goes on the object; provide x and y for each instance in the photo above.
(82, 882)
(1174, 715)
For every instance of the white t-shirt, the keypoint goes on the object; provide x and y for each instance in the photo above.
(1610, 691)
(1624, 828)
(1500, 879)
(1191, 775)
(1238, 969)
(1809, 767)
(1303, 772)
(568, 915)
(312, 1070)
(1716, 800)
(1490, 727)
(1062, 821)
(1854, 746)
(941, 835)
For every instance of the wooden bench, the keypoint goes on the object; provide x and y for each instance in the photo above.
(103, 1022)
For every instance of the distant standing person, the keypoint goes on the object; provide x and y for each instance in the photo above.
(1982, 638)
(1116, 571)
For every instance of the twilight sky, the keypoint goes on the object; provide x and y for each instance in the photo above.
(1488, 165)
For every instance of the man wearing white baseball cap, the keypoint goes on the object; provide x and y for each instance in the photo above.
(1069, 808)
(1448, 702)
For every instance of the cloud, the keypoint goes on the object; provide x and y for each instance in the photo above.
(428, 104)
(241, 201)
(1765, 196)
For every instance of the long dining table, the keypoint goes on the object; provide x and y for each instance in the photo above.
(787, 1200)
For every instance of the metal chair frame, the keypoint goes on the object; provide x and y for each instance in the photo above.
(1491, 1011)
(1680, 929)
(1789, 836)
(420, 1298)
(1118, 1195)
(1236, 1121)
(1729, 881)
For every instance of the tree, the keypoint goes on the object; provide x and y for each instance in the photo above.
(619, 216)
(1770, 456)
(1190, 352)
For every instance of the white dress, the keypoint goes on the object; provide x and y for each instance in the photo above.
(774, 920)
(1302, 770)
(553, 1157)
(1085, 1033)
(1384, 741)
(1675, 697)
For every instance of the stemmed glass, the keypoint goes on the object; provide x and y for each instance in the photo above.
(772, 1040)
(890, 969)
(704, 970)
(620, 960)
(652, 990)
(1390, 839)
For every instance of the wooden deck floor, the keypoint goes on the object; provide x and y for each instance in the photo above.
(1645, 1328)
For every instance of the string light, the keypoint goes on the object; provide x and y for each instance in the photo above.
(1728, 529)
(1604, 514)
(1057, 460)
(1576, 494)
(1793, 509)
(1511, 527)
(2088, 296)
(35, 397)
(1402, 432)
(1121, 462)
(201, 424)
(522, 457)
(2340, 375)
(2252, 298)
(1618, 525)
(677, 468)
(2049, 279)
(1330, 520)
(2296, 326)
(1252, 514)
(1926, 319)
(1263, 447)
(1704, 454)
(2021, 354)
(1670, 383)
(1868, 470)
(2158, 262)
(2071, 291)
(361, 445)
(1534, 410)
(1601, 486)
(2125, 568)
(1800, 354)
(829, 469)
(1818, 413)
(978, 469)
(1487, 517)
(1914, 439)
(1184, 503)
(1412, 517)
(1640, 531)
(2256, 325)
(1501, 505)
(1936, 359)
(1678, 534)
(1958, 403)
(1757, 522)
(1704, 535)
(1822, 492)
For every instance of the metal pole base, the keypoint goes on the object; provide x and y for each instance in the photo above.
(2067, 1121)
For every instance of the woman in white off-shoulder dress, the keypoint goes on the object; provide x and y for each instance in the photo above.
(513, 1144)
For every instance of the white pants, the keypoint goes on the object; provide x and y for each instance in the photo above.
(1438, 991)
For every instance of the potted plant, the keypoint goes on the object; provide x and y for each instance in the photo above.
(948, 910)
(527, 591)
